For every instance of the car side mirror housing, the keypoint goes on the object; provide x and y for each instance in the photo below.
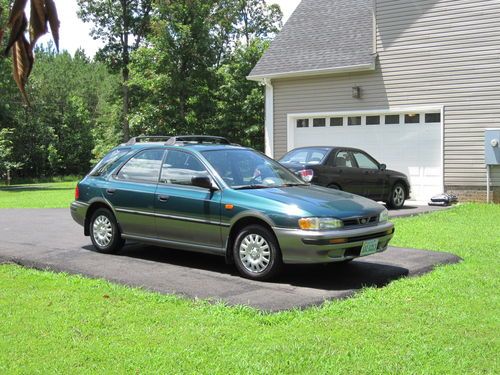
(203, 182)
(383, 167)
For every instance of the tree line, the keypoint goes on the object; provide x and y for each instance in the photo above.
(166, 67)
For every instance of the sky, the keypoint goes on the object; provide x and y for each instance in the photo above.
(75, 34)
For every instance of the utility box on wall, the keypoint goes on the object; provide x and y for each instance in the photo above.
(492, 146)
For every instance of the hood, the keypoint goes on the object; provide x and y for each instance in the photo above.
(397, 174)
(316, 201)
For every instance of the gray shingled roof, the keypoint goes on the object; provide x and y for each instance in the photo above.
(321, 35)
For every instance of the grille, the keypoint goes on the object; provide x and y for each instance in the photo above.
(360, 221)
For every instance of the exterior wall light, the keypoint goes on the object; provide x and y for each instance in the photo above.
(356, 92)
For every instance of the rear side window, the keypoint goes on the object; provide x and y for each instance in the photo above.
(145, 166)
(305, 156)
(344, 159)
(109, 161)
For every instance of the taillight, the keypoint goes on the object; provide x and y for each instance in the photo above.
(77, 193)
(306, 175)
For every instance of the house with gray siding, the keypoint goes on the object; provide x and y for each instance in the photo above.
(413, 82)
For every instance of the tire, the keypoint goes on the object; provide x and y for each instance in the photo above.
(104, 232)
(397, 197)
(261, 260)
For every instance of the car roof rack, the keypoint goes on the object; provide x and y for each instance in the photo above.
(155, 138)
(197, 139)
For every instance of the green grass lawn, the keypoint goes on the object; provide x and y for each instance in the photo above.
(47, 195)
(447, 321)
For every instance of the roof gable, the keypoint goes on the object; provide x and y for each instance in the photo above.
(321, 36)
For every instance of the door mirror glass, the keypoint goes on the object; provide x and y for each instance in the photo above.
(383, 167)
(202, 182)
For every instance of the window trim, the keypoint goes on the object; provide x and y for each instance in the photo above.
(307, 119)
(336, 117)
(319, 118)
(432, 122)
(379, 120)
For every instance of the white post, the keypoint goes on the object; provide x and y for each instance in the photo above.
(487, 183)
(269, 126)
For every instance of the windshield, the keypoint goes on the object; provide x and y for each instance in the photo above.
(108, 161)
(305, 156)
(248, 169)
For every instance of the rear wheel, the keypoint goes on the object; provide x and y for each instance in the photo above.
(104, 232)
(397, 197)
(256, 253)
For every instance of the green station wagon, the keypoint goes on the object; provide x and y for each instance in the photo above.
(204, 194)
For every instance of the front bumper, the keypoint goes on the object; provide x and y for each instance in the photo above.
(79, 211)
(300, 246)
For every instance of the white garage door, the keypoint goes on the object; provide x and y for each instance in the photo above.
(409, 141)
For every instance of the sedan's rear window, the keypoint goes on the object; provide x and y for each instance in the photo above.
(109, 161)
(305, 156)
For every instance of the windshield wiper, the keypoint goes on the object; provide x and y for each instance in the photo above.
(252, 187)
(291, 185)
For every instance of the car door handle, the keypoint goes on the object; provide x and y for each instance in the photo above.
(110, 191)
(163, 198)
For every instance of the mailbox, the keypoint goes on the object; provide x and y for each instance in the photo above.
(492, 146)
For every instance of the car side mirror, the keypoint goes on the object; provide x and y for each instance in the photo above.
(383, 167)
(203, 182)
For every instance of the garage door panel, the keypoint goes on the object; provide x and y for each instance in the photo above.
(413, 149)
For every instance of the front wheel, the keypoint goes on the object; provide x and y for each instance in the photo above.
(104, 232)
(398, 195)
(256, 253)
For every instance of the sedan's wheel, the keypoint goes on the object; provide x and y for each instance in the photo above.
(397, 199)
(256, 253)
(104, 232)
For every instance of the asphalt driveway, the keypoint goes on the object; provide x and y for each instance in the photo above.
(49, 239)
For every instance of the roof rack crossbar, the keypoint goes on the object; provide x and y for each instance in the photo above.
(135, 140)
(200, 139)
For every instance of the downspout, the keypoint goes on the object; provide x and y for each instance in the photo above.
(269, 118)
(374, 23)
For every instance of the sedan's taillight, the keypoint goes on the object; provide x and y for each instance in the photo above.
(306, 174)
(77, 193)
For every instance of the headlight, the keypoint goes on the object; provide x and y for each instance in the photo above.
(320, 223)
(384, 216)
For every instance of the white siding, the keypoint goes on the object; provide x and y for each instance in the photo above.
(431, 52)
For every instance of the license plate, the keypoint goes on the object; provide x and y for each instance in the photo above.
(369, 247)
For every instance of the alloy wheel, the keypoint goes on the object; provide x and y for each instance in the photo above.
(255, 253)
(102, 231)
(398, 196)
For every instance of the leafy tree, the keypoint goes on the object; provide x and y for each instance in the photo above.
(43, 13)
(7, 163)
(122, 26)
(178, 76)
(240, 102)
(58, 132)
